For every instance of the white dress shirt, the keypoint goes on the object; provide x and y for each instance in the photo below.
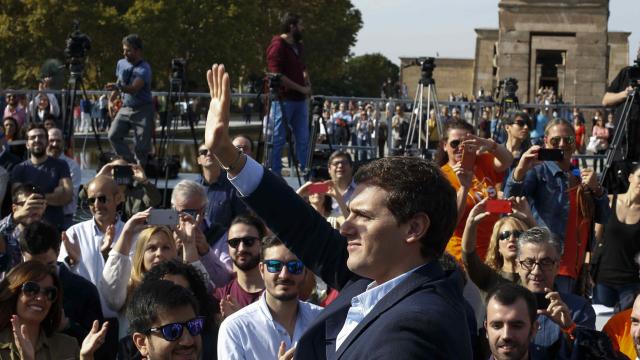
(90, 267)
(251, 333)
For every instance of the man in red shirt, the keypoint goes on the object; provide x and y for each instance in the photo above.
(284, 57)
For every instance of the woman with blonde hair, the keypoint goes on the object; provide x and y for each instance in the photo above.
(123, 270)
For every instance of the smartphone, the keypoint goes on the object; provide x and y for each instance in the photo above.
(318, 188)
(163, 217)
(468, 159)
(499, 206)
(193, 212)
(550, 155)
(123, 174)
(542, 301)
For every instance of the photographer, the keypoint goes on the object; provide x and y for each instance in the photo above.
(621, 87)
(285, 57)
(134, 84)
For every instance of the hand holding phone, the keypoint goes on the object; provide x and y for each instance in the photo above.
(542, 301)
(123, 174)
(468, 159)
(318, 188)
(163, 217)
(499, 206)
(550, 154)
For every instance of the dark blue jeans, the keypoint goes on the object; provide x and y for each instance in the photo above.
(610, 295)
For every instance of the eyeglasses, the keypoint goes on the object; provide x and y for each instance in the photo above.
(339, 162)
(203, 152)
(295, 267)
(173, 332)
(507, 234)
(32, 289)
(247, 241)
(521, 123)
(544, 264)
(455, 143)
(102, 199)
(555, 141)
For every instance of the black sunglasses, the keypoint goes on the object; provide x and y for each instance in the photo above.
(521, 123)
(247, 241)
(173, 332)
(101, 198)
(203, 152)
(295, 267)
(507, 234)
(32, 289)
(455, 143)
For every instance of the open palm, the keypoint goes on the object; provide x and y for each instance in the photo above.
(218, 116)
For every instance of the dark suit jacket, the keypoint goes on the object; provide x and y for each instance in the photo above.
(423, 317)
(80, 301)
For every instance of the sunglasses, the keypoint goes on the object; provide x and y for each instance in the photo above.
(32, 289)
(555, 141)
(173, 332)
(295, 267)
(102, 199)
(521, 123)
(247, 241)
(455, 143)
(203, 152)
(507, 234)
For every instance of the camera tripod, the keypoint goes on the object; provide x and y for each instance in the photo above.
(274, 88)
(417, 118)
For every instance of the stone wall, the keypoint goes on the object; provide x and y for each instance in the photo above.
(450, 75)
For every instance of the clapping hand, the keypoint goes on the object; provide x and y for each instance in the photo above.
(25, 347)
(228, 306)
(93, 340)
(73, 248)
(284, 354)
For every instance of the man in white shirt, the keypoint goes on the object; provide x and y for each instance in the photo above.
(87, 244)
(258, 330)
(55, 149)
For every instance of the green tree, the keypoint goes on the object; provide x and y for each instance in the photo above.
(365, 74)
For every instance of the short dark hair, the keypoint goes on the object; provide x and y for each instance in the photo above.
(38, 237)
(337, 154)
(441, 157)
(132, 40)
(251, 220)
(196, 284)
(48, 116)
(24, 189)
(511, 117)
(153, 297)
(415, 186)
(34, 126)
(287, 20)
(269, 241)
(508, 293)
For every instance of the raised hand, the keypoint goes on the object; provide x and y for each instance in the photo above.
(73, 248)
(478, 212)
(528, 160)
(107, 240)
(228, 306)
(284, 354)
(25, 347)
(217, 128)
(93, 340)
(522, 210)
(138, 173)
(557, 310)
(465, 177)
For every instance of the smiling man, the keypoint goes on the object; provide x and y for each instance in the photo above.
(395, 300)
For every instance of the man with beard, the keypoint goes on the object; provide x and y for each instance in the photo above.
(50, 175)
(55, 149)
(278, 319)
(511, 322)
(285, 57)
(244, 239)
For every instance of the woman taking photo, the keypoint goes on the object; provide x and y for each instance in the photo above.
(321, 201)
(30, 316)
(616, 268)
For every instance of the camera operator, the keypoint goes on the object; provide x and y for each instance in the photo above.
(617, 93)
(284, 56)
(134, 84)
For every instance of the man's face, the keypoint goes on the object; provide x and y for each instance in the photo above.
(102, 202)
(519, 129)
(541, 266)
(635, 325)
(190, 203)
(205, 158)
(48, 258)
(130, 53)
(282, 285)
(48, 124)
(155, 347)
(35, 213)
(243, 144)
(43, 102)
(340, 168)
(374, 237)
(12, 99)
(244, 257)
(561, 137)
(37, 142)
(56, 143)
(509, 329)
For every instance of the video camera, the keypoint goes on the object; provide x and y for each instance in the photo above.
(178, 69)
(510, 87)
(634, 73)
(77, 45)
(317, 104)
(427, 65)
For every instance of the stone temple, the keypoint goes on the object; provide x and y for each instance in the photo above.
(562, 44)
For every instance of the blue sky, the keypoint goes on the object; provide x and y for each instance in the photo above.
(428, 27)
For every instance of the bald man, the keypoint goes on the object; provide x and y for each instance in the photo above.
(55, 149)
(85, 246)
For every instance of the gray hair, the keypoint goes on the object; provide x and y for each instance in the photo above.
(540, 236)
(187, 189)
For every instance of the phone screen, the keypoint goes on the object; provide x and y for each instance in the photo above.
(542, 301)
(499, 206)
(123, 174)
(318, 188)
(163, 217)
(550, 155)
(468, 159)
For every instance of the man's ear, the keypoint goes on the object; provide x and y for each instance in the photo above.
(140, 340)
(261, 268)
(418, 227)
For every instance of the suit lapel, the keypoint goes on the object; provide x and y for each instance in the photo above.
(416, 280)
(336, 314)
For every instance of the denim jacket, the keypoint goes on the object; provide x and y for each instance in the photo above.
(546, 187)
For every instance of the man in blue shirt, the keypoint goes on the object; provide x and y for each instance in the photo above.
(134, 83)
